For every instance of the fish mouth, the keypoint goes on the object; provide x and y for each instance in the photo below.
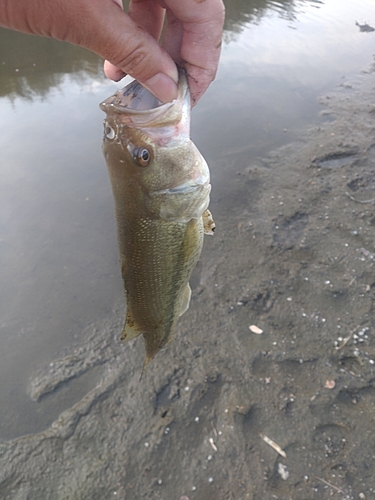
(137, 107)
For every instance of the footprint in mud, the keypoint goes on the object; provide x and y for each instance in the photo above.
(290, 369)
(60, 371)
(330, 439)
(336, 159)
(355, 395)
(288, 231)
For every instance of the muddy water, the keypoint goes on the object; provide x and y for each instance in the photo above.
(288, 130)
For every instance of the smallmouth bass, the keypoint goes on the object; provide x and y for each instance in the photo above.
(161, 188)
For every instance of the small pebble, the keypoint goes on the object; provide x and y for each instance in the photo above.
(255, 329)
(210, 479)
(330, 384)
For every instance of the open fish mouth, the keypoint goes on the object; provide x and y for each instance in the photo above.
(137, 107)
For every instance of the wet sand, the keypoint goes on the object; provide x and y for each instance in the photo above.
(295, 258)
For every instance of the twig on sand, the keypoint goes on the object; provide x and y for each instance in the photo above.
(372, 200)
(213, 445)
(273, 445)
(346, 340)
(330, 485)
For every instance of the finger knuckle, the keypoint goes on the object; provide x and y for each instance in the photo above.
(135, 60)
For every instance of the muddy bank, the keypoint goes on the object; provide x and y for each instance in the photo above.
(293, 254)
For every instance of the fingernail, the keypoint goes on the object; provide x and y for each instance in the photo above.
(162, 86)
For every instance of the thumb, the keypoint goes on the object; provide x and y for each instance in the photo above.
(130, 49)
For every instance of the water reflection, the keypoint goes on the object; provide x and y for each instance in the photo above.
(241, 12)
(31, 65)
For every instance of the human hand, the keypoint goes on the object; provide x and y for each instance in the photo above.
(192, 36)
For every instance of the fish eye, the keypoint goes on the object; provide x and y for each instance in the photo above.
(109, 132)
(142, 156)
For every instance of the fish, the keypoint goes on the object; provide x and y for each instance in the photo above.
(161, 189)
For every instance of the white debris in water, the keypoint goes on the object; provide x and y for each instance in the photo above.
(196, 419)
(210, 479)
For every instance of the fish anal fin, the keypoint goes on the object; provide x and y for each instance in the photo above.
(208, 222)
(131, 330)
(185, 300)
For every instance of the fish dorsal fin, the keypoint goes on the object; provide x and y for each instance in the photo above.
(185, 300)
(130, 331)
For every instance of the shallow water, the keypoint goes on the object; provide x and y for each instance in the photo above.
(58, 252)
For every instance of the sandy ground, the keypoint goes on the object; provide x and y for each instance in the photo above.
(293, 255)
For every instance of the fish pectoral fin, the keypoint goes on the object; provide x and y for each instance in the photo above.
(185, 300)
(208, 222)
(130, 331)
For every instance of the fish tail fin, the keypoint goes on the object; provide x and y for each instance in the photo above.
(131, 330)
(145, 364)
(152, 348)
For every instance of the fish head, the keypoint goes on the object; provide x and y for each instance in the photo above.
(153, 141)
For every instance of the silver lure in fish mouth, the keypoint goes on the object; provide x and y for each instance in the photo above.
(137, 107)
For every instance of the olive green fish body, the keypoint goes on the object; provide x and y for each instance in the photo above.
(160, 184)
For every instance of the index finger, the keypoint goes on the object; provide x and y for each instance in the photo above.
(195, 26)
